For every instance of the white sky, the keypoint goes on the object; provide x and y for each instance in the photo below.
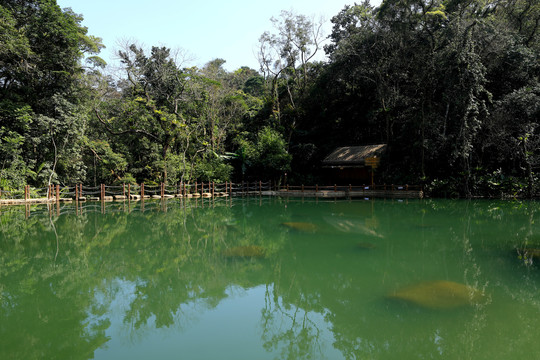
(205, 29)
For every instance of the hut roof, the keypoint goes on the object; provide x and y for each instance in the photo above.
(353, 155)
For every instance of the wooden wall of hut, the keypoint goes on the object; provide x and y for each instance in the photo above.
(347, 175)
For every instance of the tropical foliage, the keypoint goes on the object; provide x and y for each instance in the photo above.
(452, 86)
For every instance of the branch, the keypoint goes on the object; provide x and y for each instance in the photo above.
(100, 159)
(131, 131)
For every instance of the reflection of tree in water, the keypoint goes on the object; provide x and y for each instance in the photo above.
(289, 329)
(174, 258)
(42, 308)
(175, 266)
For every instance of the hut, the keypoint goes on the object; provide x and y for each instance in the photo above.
(352, 164)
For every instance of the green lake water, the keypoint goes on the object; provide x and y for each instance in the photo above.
(270, 278)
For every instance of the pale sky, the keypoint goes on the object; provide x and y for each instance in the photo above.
(205, 29)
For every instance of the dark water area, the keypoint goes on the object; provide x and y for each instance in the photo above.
(271, 278)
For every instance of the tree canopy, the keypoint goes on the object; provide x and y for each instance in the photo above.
(450, 85)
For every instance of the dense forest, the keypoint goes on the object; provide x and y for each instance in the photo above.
(451, 86)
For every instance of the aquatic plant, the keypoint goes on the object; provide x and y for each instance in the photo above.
(527, 255)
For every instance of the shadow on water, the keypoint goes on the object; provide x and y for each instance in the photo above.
(292, 279)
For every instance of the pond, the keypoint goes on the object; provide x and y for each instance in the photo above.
(271, 278)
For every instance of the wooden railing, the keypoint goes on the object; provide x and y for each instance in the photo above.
(351, 188)
(104, 192)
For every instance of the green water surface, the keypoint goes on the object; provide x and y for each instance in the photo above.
(268, 278)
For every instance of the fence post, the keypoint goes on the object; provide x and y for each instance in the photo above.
(124, 190)
(129, 191)
(195, 187)
(260, 187)
(142, 191)
(213, 188)
(77, 193)
(335, 187)
(57, 192)
(316, 188)
(302, 187)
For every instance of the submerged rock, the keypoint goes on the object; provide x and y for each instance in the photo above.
(439, 294)
(249, 251)
(301, 226)
(354, 225)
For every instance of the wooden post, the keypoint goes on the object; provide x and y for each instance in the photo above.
(316, 187)
(81, 192)
(335, 187)
(350, 188)
(302, 187)
(161, 190)
(213, 188)
(184, 189)
(142, 191)
(129, 191)
(124, 190)
(77, 193)
(57, 192)
(195, 187)
(287, 187)
(260, 187)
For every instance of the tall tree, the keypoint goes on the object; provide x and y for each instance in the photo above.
(40, 72)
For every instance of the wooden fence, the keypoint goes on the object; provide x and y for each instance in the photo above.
(79, 192)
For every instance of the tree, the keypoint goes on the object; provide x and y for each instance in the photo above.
(286, 53)
(161, 102)
(40, 73)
